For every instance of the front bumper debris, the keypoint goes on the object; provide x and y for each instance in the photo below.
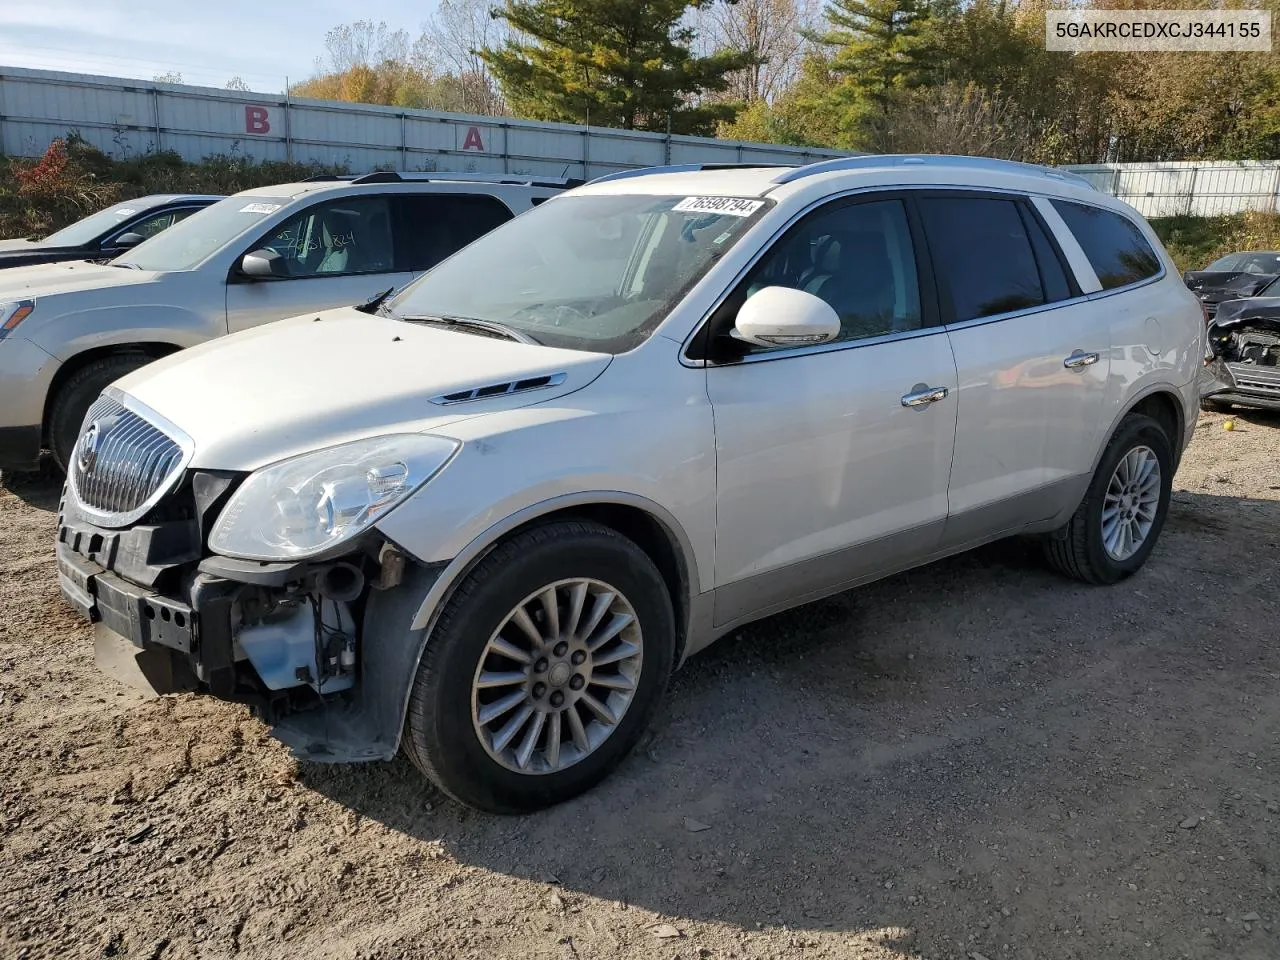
(185, 641)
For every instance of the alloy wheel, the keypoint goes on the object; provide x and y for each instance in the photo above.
(557, 676)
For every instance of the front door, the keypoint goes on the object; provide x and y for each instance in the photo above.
(832, 461)
(337, 252)
(1033, 358)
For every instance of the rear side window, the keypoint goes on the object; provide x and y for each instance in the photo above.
(982, 257)
(433, 227)
(1114, 246)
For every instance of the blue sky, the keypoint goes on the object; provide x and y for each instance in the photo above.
(208, 42)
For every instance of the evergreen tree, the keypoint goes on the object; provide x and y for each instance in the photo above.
(875, 48)
(613, 63)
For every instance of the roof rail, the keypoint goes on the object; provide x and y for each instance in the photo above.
(519, 179)
(444, 176)
(685, 168)
(869, 161)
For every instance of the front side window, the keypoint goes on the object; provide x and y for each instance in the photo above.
(1114, 246)
(858, 257)
(92, 227)
(149, 226)
(337, 238)
(982, 257)
(188, 244)
(591, 272)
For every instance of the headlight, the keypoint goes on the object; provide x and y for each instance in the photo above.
(302, 506)
(12, 314)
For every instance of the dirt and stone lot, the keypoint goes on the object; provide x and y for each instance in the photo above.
(974, 760)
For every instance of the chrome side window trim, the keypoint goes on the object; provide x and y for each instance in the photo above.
(893, 189)
(821, 348)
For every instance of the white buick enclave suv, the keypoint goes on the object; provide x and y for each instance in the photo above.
(484, 522)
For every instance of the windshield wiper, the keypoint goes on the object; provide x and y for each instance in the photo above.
(374, 304)
(488, 326)
(123, 266)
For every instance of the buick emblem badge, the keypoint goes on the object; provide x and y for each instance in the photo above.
(87, 448)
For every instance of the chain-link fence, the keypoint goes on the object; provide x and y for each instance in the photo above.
(1189, 189)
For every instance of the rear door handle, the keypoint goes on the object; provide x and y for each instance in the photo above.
(921, 396)
(1079, 358)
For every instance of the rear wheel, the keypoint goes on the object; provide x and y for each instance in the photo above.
(1116, 526)
(543, 670)
(75, 396)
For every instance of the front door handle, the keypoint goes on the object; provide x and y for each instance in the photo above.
(923, 395)
(1079, 358)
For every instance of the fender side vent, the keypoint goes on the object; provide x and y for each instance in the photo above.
(500, 389)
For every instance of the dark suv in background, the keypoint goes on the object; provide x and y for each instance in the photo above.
(107, 233)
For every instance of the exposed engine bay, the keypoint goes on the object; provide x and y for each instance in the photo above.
(1245, 364)
(1248, 344)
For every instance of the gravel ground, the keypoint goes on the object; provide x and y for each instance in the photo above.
(973, 760)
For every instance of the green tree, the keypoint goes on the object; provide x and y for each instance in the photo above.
(616, 63)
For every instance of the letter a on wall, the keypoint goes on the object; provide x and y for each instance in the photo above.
(473, 141)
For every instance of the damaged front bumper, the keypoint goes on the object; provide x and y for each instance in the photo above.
(1247, 384)
(325, 661)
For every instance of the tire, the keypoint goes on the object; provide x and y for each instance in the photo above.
(444, 736)
(77, 394)
(1210, 405)
(1078, 549)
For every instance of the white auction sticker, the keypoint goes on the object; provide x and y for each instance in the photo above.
(125, 212)
(260, 208)
(730, 206)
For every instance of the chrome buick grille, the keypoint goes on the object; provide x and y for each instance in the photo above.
(123, 463)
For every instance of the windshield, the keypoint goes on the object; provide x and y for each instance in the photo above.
(90, 228)
(187, 244)
(584, 272)
(1257, 263)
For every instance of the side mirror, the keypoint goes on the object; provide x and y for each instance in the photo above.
(127, 241)
(783, 317)
(263, 265)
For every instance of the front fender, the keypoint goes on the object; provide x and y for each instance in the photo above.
(68, 334)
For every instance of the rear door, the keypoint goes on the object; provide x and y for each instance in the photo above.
(1032, 356)
(338, 252)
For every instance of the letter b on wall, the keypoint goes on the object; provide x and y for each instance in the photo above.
(257, 120)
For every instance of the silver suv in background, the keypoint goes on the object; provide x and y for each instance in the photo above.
(484, 525)
(68, 330)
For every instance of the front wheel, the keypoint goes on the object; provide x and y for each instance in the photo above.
(76, 395)
(1116, 526)
(544, 668)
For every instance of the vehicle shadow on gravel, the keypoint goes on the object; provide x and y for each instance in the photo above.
(41, 489)
(973, 754)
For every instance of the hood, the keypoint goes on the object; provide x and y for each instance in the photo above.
(1256, 311)
(10, 246)
(298, 385)
(1217, 285)
(47, 279)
